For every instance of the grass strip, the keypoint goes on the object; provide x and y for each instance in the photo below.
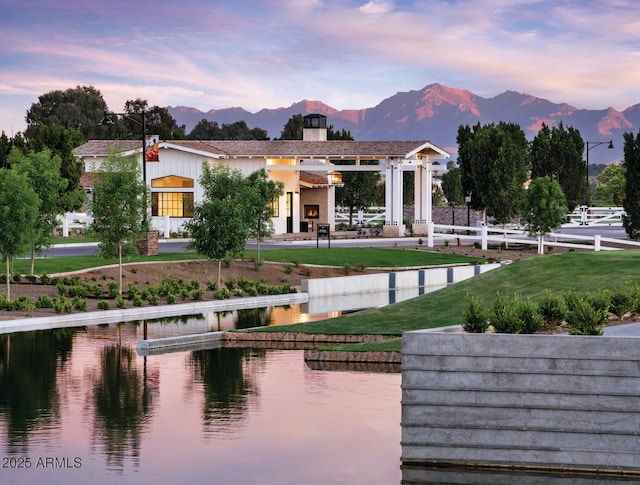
(579, 271)
(65, 264)
(363, 257)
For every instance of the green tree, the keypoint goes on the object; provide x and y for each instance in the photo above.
(496, 157)
(18, 214)
(543, 208)
(158, 122)
(464, 139)
(610, 188)
(557, 152)
(360, 189)
(293, 128)
(631, 164)
(118, 208)
(61, 142)
(80, 108)
(452, 186)
(205, 130)
(452, 189)
(219, 227)
(5, 149)
(42, 170)
(261, 194)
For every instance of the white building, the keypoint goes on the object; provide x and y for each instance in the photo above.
(303, 166)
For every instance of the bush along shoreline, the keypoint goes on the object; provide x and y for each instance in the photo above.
(579, 313)
(73, 293)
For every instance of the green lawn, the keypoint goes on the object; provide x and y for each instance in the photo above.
(365, 257)
(580, 271)
(66, 264)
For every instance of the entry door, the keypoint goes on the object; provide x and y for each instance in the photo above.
(289, 212)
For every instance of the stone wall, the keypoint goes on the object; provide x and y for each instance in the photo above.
(521, 401)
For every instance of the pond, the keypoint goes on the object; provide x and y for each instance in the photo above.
(79, 405)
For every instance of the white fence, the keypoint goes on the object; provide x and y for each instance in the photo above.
(596, 216)
(373, 215)
(498, 235)
(79, 221)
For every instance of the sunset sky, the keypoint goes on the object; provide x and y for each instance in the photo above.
(350, 54)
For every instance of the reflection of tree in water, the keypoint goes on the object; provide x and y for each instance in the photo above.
(29, 364)
(254, 317)
(122, 397)
(227, 385)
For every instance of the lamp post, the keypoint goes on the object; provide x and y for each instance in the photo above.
(467, 199)
(593, 145)
(106, 120)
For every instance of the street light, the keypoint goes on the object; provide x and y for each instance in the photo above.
(106, 120)
(467, 199)
(593, 145)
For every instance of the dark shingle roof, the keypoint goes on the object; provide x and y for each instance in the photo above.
(334, 149)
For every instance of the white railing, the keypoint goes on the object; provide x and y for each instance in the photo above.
(499, 235)
(595, 216)
(372, 215)
(73, 220)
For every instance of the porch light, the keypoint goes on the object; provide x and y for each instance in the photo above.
(335, 177)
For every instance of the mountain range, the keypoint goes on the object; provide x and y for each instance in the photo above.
(435, 112)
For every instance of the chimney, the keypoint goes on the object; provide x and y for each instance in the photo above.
(315, 128)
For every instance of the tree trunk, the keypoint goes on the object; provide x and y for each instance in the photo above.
(8, 273)
(259, 236)
(120, 267)
(33, 261)
(219, 271)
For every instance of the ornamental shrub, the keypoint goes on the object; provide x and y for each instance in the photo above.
(475, 316)
(552, 309)
(103, 305)
(586, 316)
(504, 317)
(44, 301)
(120, 302)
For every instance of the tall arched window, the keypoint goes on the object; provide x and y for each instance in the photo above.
(174, 203)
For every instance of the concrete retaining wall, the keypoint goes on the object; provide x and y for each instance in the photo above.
(426, 279)
(530, 401)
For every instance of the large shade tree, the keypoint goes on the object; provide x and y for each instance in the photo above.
(494, 164)
(611, 182)
(557, 152)
(80, 108)
(118, 208)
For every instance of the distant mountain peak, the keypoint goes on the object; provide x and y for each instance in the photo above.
(435, 113)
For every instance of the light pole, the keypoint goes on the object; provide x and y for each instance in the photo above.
(467, 199)
(106, 120)
(593, 145)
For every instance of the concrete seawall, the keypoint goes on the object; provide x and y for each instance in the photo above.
(544, 402)
(418, 280)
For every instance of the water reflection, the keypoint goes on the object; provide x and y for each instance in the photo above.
(122, 403)
(84, 397)
(226, 387)
(29, 398)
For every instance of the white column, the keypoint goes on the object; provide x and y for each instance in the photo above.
(393, 200)
(422, 198)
